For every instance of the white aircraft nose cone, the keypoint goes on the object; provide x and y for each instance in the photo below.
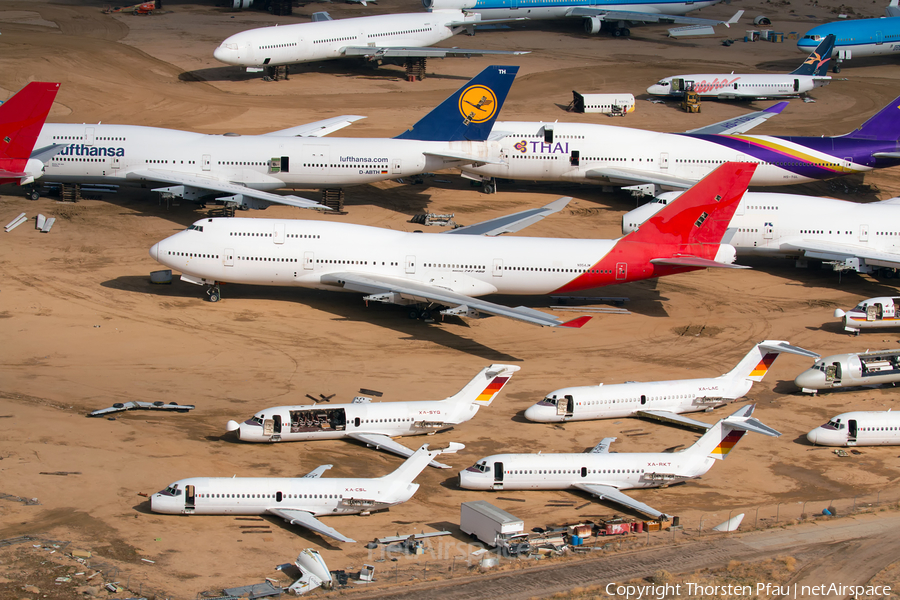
(810, 380)
(536, 413)
(813, 435)
(154, 252)
(839, 314)
(232, 425)
(222, 53)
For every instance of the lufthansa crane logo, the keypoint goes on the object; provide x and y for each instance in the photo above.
(477, 104)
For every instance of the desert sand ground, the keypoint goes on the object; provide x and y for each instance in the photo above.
(83, 327)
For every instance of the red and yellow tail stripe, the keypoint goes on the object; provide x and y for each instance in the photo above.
(763, 367)
(492, 389)
(727, 443)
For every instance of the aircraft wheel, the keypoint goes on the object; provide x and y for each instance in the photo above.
(626, 32)
(617, 33)
(34, 195)
(487, 188)
(837, 68)
(413, 313)
(214, 293)
(425, 315)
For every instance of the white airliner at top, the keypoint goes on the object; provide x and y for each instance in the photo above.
(662, 400)
(859, 428)
(374, 38)
(854, 236)
(604, 474)
(297, 500)
(375, 423)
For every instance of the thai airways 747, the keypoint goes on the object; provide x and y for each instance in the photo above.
(604, 474)
(374, 423)
(662, 400)
(453, 268)
(243, 170)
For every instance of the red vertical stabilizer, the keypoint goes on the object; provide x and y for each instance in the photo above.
(21, 120)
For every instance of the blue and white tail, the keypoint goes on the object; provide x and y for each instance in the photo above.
(818, 61)
(469, 114)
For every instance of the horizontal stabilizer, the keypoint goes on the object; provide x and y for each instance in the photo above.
(740, 124)
(603, 446)
(693, 261)
(511, 223)
(611, 494)
(787, 348)
(47, 152)
(307, 520)
(317, 472)
(666, 416)
(379, 441)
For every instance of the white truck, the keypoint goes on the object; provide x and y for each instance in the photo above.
(488, 523)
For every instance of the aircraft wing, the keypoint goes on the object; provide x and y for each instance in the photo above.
(378, 52)
(511, 223)
(470, 158)
(396, 290)
(633, 176)
(603, 446)
(741, 124)
(611, 494)
(305, 519)
(644, 17)
(317, 472)
(382, 441)
(317, 128)
(837, 251)
(187, 183)
(666, 416)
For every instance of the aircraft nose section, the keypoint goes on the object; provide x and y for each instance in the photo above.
(538, 414)
(223, 54)
(809, 380)
(813, 436)
(154, 252)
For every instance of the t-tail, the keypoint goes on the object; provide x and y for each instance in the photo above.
(756, 364)
(485, 386)
(469, 114)
(817, 62)
(724, 435)
(402, 479)
(21, 120)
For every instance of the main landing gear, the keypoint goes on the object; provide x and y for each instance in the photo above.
(423, 314)
(214, 293)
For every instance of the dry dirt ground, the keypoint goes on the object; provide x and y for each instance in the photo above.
(83, 327)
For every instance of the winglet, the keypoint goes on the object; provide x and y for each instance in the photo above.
(577, 323)
(777, 108)
(733, 20)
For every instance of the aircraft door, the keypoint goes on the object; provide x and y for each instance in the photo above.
(279, 233)
(864, 233)
(88, 136)
(276, 426)
(872, 312)
(498, 472)
(497, 271)
(357, 421)
(796, 85)
(278, 496)
(584, 471)
(190, 496)
(205, 162)
(268, 427)
(396, 166)
(309, 260)
(643, 399)
(768, 231)
(879, 38)
(410, 264)
(621, 271)
(570, 406)
(833, 372)
(678, 85)
(852, 430)
(663, 160)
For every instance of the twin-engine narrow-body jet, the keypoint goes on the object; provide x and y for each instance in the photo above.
(375, 423)
(244, 170)
(297, 500)
(616, 14)
(449, 271)
(378, 37)
(873, 367)
(21, 119)
(662, 400)
(873, 313)
(604, 474)
(622, 156)
(811, 74)
(857, 38)
(859, 428)
(845, 235)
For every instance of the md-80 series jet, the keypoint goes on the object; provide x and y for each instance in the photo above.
(859, 428)
(451, 269)
(297, 500)
(374, 423)
(373, 38)
(604, 474)
(846, 235)
(606, 154)
(873, 367)
(662, 400)
(243, 170)
(811, 74)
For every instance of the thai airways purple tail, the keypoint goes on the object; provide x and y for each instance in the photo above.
(884, 126)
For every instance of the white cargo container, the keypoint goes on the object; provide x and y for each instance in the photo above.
(610, 104)
(487, 522)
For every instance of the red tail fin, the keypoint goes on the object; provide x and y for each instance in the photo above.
(22, 117)
(701, 214)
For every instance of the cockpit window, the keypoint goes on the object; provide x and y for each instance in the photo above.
(195, 228)
(662, 83)
(172, 490)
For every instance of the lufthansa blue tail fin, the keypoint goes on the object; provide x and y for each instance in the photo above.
(469, 114)
(884, 126)
(818, 61)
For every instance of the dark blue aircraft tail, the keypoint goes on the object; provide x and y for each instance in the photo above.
(818, 61)
(884, 126)
(469, 114)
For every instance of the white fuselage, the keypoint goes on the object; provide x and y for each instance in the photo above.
(769, 224)
(577, 148)
(859, 428)
(110, 153)
(257, 495)
(316, 422)
(848, 370)
(325, 40)
(873, 313)
(730, 86)
(627, 399)
(552, 9)
(563, 471)
(303, 253)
